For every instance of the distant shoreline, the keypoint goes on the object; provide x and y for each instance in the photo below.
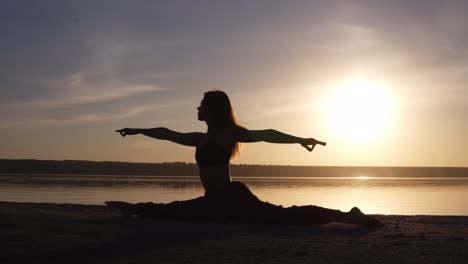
(113, 168)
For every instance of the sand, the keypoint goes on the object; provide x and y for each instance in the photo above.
(68, 233)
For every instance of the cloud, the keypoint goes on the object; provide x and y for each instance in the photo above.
(76, 92)
(35, 121)
(87, 95)
(280, 111)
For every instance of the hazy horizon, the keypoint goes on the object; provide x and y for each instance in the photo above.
(234, 164)
(382, 82)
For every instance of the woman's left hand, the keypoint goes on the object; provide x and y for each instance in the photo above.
(312, 142)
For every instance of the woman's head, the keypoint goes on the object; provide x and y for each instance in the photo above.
(216, 110)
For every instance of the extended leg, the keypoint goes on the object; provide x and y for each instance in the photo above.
(194, 209)
(304, 215)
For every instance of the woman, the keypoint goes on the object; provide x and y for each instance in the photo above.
(225, 200)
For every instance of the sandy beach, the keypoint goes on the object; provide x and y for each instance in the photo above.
(70, 233)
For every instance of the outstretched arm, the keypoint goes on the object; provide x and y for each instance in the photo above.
(186, 139)
(273, 136)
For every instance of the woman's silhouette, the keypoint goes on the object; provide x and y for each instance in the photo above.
(225, 200)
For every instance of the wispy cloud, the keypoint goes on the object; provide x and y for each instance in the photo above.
(41, 121)
(281, 111)
(87, 95)
(75, 92)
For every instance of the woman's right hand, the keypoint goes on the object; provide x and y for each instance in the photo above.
(128, 131)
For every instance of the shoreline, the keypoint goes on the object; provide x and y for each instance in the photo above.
(74, 233)
(191, 169)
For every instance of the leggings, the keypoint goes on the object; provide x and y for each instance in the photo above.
(237, 204)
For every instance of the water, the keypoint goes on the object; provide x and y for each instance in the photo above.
(375, 195)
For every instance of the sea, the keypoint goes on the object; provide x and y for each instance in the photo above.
(372, 194)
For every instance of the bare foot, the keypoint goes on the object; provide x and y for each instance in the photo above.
(355, 216)
(126, 209)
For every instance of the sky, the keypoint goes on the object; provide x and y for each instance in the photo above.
(72, 72)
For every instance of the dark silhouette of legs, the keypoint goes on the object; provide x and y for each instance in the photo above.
(236, 203)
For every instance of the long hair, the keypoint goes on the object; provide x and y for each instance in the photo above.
(221, 112)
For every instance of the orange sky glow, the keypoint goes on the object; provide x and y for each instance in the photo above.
(383, 85)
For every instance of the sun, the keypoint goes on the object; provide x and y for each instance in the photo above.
(359, 110)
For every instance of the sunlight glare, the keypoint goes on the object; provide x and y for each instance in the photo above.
(359, 110)
(361, 177)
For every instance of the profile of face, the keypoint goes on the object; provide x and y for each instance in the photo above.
(202, 111)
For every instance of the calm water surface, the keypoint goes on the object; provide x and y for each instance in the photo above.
(376, 195)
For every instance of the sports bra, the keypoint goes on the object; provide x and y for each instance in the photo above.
(211, 153)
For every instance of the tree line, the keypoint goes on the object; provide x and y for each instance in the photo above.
(33, 166)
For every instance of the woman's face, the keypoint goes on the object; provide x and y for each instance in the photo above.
(202, 111)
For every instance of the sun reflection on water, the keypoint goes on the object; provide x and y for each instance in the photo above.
(361, 177)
